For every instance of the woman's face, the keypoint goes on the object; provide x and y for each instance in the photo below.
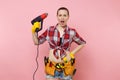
(62, 17)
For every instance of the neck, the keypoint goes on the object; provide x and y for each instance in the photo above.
(63, 27)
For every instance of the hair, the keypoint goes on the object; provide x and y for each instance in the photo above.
(63, 8)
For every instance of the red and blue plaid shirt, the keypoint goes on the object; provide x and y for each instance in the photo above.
(52, 35)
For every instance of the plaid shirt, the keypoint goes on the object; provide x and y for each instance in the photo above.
(52, 35)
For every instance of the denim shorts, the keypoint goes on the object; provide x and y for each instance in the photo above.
(60, 75)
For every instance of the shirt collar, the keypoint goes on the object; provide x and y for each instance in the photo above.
(66, 29)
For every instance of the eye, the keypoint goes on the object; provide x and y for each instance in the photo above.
(59, 15)
(64, 15)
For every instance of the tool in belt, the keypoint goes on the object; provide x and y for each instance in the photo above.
(68, 67)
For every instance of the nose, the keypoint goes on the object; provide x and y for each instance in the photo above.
(62, 17)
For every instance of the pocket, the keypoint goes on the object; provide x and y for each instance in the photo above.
(49, 68)
(69, 69)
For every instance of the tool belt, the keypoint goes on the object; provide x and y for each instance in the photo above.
(67, 67)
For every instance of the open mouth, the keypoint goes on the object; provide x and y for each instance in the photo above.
(62, 22)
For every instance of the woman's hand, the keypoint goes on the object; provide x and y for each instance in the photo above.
(68, 57)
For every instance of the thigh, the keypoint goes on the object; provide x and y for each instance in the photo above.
(53, 79)
(50, 79)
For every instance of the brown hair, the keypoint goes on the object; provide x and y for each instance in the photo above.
(63, 8)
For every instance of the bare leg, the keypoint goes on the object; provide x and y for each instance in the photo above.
(58, 79)
(50, 79)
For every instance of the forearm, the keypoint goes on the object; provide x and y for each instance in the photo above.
(77, 49)
(35, 38)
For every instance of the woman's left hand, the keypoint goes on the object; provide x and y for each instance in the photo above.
(68, 57)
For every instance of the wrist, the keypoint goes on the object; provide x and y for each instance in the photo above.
(64, 59)
(72, 55)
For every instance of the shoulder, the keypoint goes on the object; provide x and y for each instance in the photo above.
(72, 30)
(51, 28)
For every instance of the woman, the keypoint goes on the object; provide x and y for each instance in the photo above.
(60, 63)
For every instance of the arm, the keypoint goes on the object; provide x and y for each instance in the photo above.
(35, 38)
(79, 40)
(35, 26)
(42, 38)
(77, 49)
(72, 53)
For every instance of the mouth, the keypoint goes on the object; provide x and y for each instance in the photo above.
(62, 22)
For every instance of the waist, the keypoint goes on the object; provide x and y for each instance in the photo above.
(58, 64)
(53, 58)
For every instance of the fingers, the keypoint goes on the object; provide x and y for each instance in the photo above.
(36, 25)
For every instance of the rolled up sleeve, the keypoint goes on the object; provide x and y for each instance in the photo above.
(42, 37)
(78, 39)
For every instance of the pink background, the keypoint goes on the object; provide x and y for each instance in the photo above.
(97, 21)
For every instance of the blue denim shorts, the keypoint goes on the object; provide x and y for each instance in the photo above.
(60, 75)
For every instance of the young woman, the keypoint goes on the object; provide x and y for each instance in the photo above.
(60, 63)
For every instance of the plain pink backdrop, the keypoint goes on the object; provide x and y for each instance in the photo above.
(97, 21)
